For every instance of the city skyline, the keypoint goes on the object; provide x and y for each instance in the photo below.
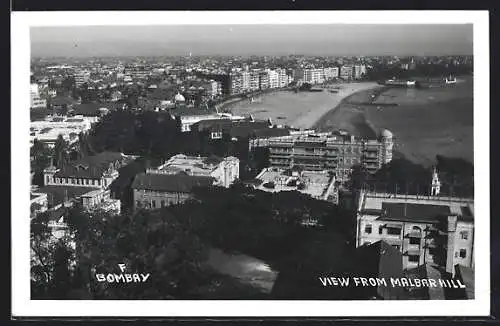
(331, 39)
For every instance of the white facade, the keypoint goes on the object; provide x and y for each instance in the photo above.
(331, 72)
(48, 130)
(273, 79)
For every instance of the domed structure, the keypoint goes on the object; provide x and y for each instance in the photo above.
(386, 133)
(179, 98)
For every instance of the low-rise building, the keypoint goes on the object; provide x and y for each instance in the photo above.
(172, 182)
(97, 171)
(317, 184)
(153, 190)
(224, 171)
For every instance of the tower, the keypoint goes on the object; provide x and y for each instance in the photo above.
(436, 184)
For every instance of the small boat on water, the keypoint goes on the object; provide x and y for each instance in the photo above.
(450, 80)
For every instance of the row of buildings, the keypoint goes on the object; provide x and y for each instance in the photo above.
(243, 81)
(257, 79)
(321, 75)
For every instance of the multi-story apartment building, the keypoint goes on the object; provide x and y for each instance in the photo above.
(245, 81)
(264, 80)
(331, 73)
(254, 80)
(311, 76)
(425, 229)
(273, 79)
(282, 77)
(330, 151)
(346, 72)
(236, 83)
(173, 182)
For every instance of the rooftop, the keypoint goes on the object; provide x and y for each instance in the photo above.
(313, 183)
(421, 208)
(91, 166)
(170, 182)
(192, 165)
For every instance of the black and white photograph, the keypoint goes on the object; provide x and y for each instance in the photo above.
(263, 159)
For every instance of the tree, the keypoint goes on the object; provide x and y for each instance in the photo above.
(60, 152)
(41, 157)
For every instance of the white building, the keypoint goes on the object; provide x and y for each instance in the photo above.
(425, 229)
(317, 184)
(36, 101)
(331, 73)
(49, 129)
(225, 171)
(273, 79)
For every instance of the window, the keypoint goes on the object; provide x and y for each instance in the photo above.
(73, 181)
(87, 181)
(162, 203)
(414, 258)
(464, 235)
(368, 229)
(414, 241)
(380, 229)
(77, 181)
(393, 231)
(153, 203)
(463, 253)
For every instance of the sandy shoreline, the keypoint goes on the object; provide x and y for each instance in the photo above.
(299, 110)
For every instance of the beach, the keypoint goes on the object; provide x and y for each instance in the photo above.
(299, 110)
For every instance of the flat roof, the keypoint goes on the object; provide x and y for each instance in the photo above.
(316, 182)
(196, 165)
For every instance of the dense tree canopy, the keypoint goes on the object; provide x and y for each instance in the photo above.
(402, 176)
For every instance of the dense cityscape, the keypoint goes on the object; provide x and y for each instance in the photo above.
(175, 167)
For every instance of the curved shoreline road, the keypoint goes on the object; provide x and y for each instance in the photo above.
(299, 110)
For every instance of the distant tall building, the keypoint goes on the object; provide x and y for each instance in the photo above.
(346, 72)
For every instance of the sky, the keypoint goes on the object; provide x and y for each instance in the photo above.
(326, 39)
